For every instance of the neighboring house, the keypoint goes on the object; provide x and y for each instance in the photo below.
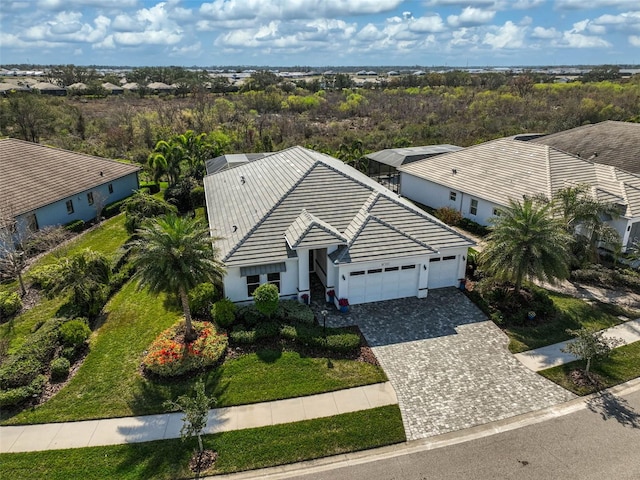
(225, 162)
(49, 89)
(296, 213)
(159, 87)
(42, 186)
(609, 143)
(383, 165)
(479, 180)
(113, 89)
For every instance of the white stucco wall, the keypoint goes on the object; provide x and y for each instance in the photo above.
(235, 286)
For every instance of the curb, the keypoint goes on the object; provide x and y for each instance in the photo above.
(327, 464)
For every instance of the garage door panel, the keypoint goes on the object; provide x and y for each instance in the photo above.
(443, 272)
(375, 284)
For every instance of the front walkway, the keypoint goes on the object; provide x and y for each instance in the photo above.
(114, 431)
(450, 367)
(552, 355)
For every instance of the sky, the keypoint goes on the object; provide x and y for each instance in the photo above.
(288, 33)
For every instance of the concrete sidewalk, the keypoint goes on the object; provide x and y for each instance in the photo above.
(114, 431)
(552, 355)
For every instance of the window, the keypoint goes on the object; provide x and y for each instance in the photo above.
(474, 207)
(274, 278)
(497, 212)
(391, 269)
(90, 198)
(451, 257)
(452, 196)
(408, 267)
(437, 259)
(111, 188)
(375, 270)
(354, 274)
(253, 282)
(69, 206)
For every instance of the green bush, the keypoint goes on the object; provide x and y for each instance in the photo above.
(113, 209)
(266, 298)
(241, 336)
(448, 215)
(10, 304)
(224, 313)
(75, 332)
(76, 226)
(60, 369)
(201, 299)
(250, 315)
(474, 227)
(45, 277)
(32, 358)
(141, 206)
(267, 330)
(342, 342)
(294, 311)
(69, 353)
(15, 396)
(197, 197)
(337, 339)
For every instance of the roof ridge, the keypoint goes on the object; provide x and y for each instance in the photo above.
(402, 232)
(269, 212)
(315, 221)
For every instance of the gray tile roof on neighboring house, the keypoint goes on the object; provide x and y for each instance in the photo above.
(33, 175)
(401, 156)
(232, 160)
(253, 207)
(506, 168)
(610, 143)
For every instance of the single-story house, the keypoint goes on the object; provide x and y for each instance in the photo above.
(297, 213)
(42, 186)
(480, 180)
(113, 89)
(383, 165)
(232, 160)
(608, 143)
(46, 88)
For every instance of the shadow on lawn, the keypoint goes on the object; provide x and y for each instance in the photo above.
(609, 406)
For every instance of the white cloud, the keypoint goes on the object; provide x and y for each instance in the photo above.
(634, 40)
(67, 4)
(192, 50)
(508, 36)
(572, 39)
(471, 16)
(591, 4)
(153, 26)
(545, 33)
(428, 24)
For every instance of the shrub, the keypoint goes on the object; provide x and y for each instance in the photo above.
(169, 358)
(10, 304)
(15, 396)
(294, 311)
(474, 227)
(69, 353)
(337, 339)
(341, 342)
(141, 206)
(201, 299)
(113, 209)
(197, 197)
(267, 330)
(76, 226)
(224, 313)
(448, 215)
(250, 315)
(45, 277)
(60, 369)
(32, 358)
(74, 333)
(266, 297)
(240, 335)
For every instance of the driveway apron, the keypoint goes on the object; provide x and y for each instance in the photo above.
(450, 367)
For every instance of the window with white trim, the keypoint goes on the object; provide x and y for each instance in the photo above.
(69, 205)
(253, 282)
(497, 212)
(474, 207)
(453, 196)
(90, 198)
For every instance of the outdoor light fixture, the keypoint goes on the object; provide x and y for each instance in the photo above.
(343, 277)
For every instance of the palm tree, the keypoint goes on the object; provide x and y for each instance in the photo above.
(174, 254)
(166, 159)
(526, 242)
(585, 217)
(353, 154)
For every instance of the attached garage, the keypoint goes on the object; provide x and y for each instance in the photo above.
(383, 283)
(443, 271)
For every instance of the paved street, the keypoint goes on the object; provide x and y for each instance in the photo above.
(449, 366)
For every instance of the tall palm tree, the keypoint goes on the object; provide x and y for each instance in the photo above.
(166, 158)
(353, 154)
(526, 242)
(174, 254)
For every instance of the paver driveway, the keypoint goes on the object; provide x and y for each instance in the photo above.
(450, 367)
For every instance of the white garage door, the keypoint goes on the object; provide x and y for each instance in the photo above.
(386, 283)
(443, 272)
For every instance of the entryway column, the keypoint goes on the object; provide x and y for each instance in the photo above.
(303, 275)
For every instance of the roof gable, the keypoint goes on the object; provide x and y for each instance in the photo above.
(308, 231)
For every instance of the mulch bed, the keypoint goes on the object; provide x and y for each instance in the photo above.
(202, 461)
(586, 380)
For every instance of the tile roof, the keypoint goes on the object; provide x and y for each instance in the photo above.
(33, 175)
(507, 168)
(400, 156)
(610, 143)
(297, 195)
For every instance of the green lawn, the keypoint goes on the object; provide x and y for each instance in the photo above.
(238, 450)
(109, 383)
(574, 314)
(621, 366)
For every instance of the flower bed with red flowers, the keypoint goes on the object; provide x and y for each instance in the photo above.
(170, 356)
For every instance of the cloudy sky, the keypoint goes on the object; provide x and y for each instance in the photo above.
(320, 32)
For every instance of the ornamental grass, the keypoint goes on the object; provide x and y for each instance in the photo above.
(170, 356)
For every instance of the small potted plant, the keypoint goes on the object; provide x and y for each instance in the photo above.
(331, 295)
(531, 315)
(343, 303)
(305, 298)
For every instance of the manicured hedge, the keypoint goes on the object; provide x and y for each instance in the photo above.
(76, 226)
